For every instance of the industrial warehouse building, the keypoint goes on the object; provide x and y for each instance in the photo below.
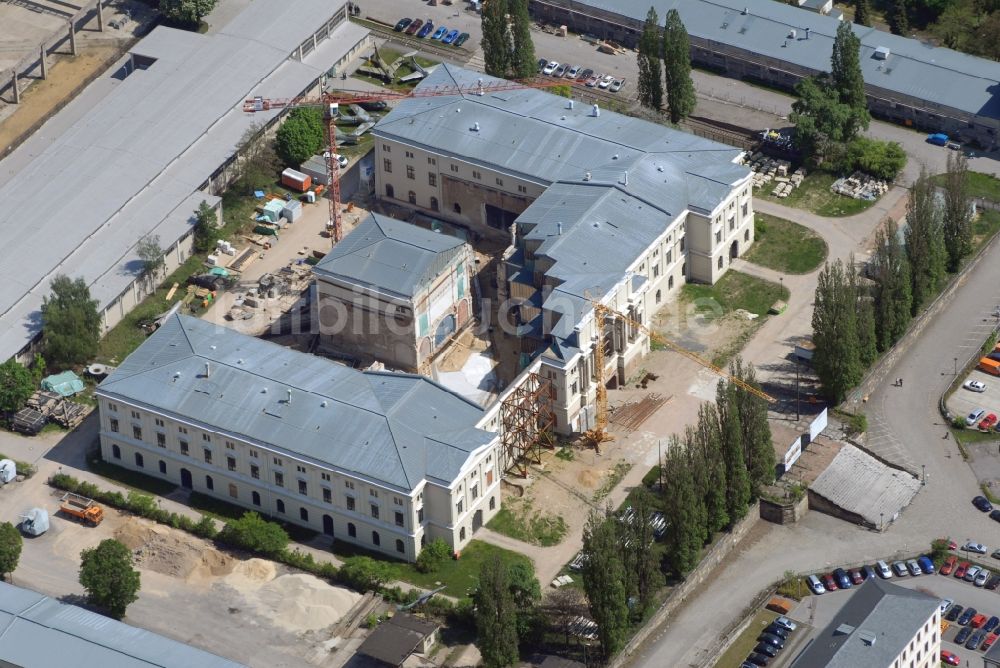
(383, 460)
(137, 151)
(600, 206)
(906, 81)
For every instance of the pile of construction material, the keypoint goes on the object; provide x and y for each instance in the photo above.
(860, 186)
(767, 170)
(43, 406)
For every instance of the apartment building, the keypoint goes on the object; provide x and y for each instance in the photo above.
(394, 292)
(882, 626)
(386, 461)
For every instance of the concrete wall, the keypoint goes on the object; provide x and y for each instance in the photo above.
(786, 513)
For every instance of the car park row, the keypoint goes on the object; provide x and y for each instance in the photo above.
(424, 29)
(578, 74)
(770, 642)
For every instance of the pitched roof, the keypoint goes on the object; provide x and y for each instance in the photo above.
(36, 630)
(397, 429)
(395, 639)
(389, 255)
(872, 628)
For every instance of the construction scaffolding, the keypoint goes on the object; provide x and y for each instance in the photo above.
(526, 424)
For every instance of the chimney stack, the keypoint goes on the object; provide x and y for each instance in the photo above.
(559, 228)
(208, 369)
(289, 395)
(596, 110)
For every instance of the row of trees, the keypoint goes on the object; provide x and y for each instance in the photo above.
(853, 319)
(709, 477)
(506, 609)
(508, 51)
(665, 66)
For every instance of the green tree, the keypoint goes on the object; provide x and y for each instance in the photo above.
(252, 532)
(738, 485)
(681, 505)
(604, 581)
(883, 160)
(837, 358)
(434, 555)
(106, 573)
(898, 17)
(496, 616)
(188, 13)
(496, 41)
(16, 385)
(257, 162)
(206, 228)
(10, 549)
(957, 211)
(891, 295)
(364, 573)
(642, 572)
(819, 116)
(867, 339)
(926, 241)
(71, 326)
(863, 12)
(847, 79)
(301, 136)
(523, 62)
(758, 448)
(709, 445)
(649, 60)
(150, 255)
(526, 593)
(679, 89)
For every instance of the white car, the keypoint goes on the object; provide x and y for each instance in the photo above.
(983, 576)
(573, 72)
(882, 569)
(970, 575)
(978, 548)
(945, 604)
(815, 586)
(606, 81)
(900, 568)
(913, 567)
(550, 68)
(786, 623)
(974, 385)
(975, 417)
(341, 160)
(616, 85)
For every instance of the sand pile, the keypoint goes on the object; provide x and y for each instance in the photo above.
(296, 602)
(169, 551)
(588, 478)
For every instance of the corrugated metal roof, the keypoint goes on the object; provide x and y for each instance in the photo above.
(134, 152)
(389, 255)
(859, 483)
(36, 630)
(935, 74)
(396, 429)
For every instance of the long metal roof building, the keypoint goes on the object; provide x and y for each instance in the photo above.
(128, 156)
(396, 429)
(36, 630)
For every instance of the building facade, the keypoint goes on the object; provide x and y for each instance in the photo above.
(394, 291)
(384, 461)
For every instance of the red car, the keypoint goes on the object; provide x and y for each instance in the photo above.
(949, 658)
(962, 568)
(829, 582)
(988, 422)
(949, 565)
(990, 639)
(414, 27)
(856, 576)
(978, 620)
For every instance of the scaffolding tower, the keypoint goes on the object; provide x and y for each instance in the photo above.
(526, 424)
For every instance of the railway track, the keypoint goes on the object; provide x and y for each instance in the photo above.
(459, 55)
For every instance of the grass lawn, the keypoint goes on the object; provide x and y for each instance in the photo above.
(975, 436)
(985, 227)
(982, 185)
(128, 478)
(743, 645)
(814, 195)
(520, 520)
(785, 246)
(737, 290)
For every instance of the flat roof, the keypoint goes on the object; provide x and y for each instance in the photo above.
(938, 75)
(36, 630)
(393, 428)
(126, 157)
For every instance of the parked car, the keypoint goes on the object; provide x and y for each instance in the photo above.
(945, 604)
(764, 648)
(402, 24)
(996, 554)
(815, 586)
(978, 621)
(461, 39)
(991, 623)
(949, 565)
(913, 567)
(974, 385)
(961, 569)
(593, 80)
(963, 635)
(882, 569)
(441, 32)
(967, 616)
(990, 639)
(606, 81)
(573, 72)
(954, 612)
(829, 582)
(974, 417)
(759, 659)
(950, 658)
(785, 622)
(616, 85)
(450, 37)
(772, 640)
(995, 515)
(426, 30)
(747, 664)
(843, 581)
(560, 71)
(584, 75)
(988, 422)
(926, 565)
(374, 105)
(856, 576)
(550, 68)
(981, 503)
(978, 548)
(777, 630)
(541, 62)
(993, 582)
(952, 545)
(899, 568)
(982, 577)
(414, 27)
(971, 574)
(868, 572)
(975, 640)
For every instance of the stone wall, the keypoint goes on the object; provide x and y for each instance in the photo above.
(788, 513)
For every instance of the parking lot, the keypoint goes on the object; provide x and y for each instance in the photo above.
(964, 401)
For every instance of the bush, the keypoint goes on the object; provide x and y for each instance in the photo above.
(364, 573)
(881, 159)
(205, 527)
(255, 534)
(301, 136)
(433, 556)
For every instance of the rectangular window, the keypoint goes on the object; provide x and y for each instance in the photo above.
(207, 438)
(670, 256)
(410, 174)
(277, 462)
(522, 189)
(373, 492)
(325, 476)
(113, 407)
(231, 463)
(350, 503)
(208, 456)
(230, 445)
(302, 487)
(182, 430)
(137, 432)
(458, 507)
(387, 165)
(327, 495)
(114, 425)
(432, 180)
(255, 472)
(253, 453)
(158, 421)
(454, 168)
(300, 469)
(184, 447)
(420, 514)
(431, 161)
(746, 208)
(397, 501)
(475, 492)
(499, 181)
(232, 491)
(476, 175)
(489, 478)
(161, 439)
(732, 223)
(399, 519)
(409, 154)
(718, 236)
(136, 416)
(374, 511)
(279, 478)
(386, 148)
(682, 244)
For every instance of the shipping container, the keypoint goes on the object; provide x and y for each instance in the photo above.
(296, 180)
(989, 366)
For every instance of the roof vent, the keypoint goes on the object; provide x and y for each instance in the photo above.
(559, 229)
(614, 157)
(569, 104)
(323, 403)
(844, 630)
(596, 110)
(475, 126)
(807, 32)
(625, 182)
(264, 391)
(208, 369)
(563, 117)
(586, 176)
(867, 637)
(791, 33)
(177, 374)
(881, 53)
(479, 86)
(746, 10)
(289, 395)
(659, 168)
(458, 110)
(239, 361)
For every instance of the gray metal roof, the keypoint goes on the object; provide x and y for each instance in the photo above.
(935, 74)
(36, 630)
(396, 429)
(389, 255)
(125, 158)
(872, 628)
(861, 484)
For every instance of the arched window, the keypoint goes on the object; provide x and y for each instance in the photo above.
(493, 503)
(670, 283)
(746, 235)
(352, 531)
(255, 498)
(720, 262)
(138, 460)
(461, 534)
(376, 540)
(434, 203)
(411, 197)
(456, 207)
(163, 467)
(400, 547)
(303, 514)
(280, 505)
(116, 452)
(389, 191)
(209, 482)
(658, 296)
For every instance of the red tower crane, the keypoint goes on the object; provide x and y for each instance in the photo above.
(327, 101)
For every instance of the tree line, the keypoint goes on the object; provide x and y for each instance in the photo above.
(709, 477)
(508, 50)
(664, 60)
(857, 318)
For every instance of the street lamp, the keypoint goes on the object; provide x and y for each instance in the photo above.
(955, 360)
(881, 521)
(923, 478)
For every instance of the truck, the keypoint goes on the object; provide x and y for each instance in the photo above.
(938, 139)
(84, 509)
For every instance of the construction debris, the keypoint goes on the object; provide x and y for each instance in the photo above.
(631, 415)
(766, 169)
(860, 186)
(43, 406)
